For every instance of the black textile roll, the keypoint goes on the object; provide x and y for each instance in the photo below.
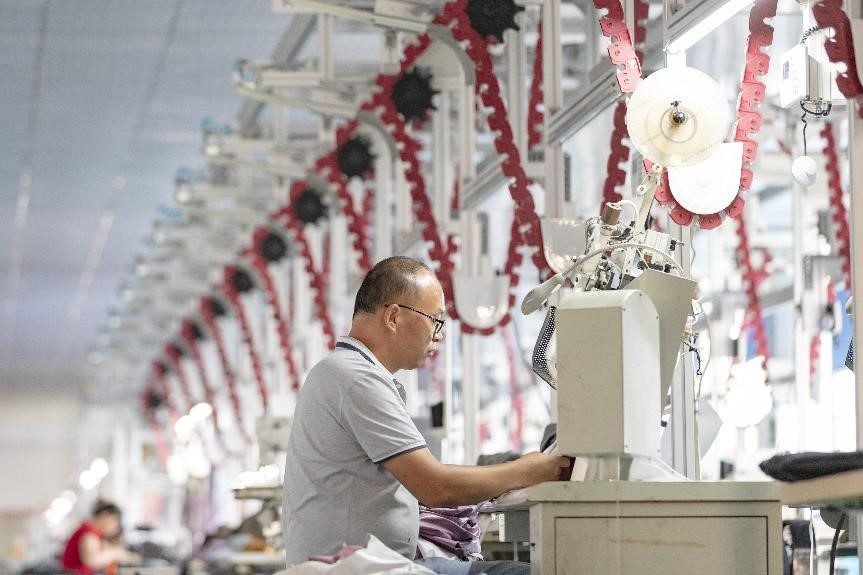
(811, 464)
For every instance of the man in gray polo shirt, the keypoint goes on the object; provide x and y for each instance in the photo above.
(356, 464)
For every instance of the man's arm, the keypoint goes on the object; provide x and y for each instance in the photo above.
(438, 485)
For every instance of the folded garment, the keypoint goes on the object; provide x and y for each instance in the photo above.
(809, 465)
(454, 529)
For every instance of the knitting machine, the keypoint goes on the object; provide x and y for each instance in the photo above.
(611, 345)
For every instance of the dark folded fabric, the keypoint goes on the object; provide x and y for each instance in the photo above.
(811, 464)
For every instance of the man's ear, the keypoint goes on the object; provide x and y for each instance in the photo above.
(390, 318)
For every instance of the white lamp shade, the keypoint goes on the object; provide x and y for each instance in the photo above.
(562, 240)
(481, 302)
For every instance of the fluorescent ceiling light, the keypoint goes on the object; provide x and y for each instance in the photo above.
(708, 24)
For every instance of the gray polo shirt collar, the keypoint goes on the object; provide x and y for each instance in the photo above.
(367, 353)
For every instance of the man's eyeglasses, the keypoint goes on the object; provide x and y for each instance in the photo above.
(438, 323)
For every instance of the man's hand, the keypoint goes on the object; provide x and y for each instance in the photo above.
(538, 467)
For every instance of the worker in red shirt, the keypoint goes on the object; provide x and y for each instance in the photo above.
(88, 549)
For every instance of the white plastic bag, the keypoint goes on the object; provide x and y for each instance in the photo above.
(376, 558)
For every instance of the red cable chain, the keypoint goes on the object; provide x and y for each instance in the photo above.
(515, 389)
(212, 324)
(752, 278)
(615, 176)
(187, 333)
(489, 92)
(316, 278)
(840, 48)
(814, 355)
(160, 377)
(422, 208)
(368, 205)
(534, 113)
(357, 222)
(837, 208)
(246, 329)
(621, 50)
(158, 436)
(262, 267)
(326, 263)
(748, 124)
(173, 352)
(488, 89)
(408, 153)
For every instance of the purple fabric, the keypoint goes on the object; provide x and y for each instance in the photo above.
(454, 529)
(346, 551)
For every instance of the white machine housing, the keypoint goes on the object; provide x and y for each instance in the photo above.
(806, 73)
(608, 374)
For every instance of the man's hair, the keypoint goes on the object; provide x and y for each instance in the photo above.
(392, 280)
(106, 507)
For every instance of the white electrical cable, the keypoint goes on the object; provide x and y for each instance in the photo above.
(668, 257)
(621, 203)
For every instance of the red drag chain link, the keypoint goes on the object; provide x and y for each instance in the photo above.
(615, 175)
(158, 436)
(488, 88)
(837, 208)
(752, 279)
(187, 333)
(357, 221)
(262, 267)
(814, 355)
(534, 113)
(408, 149)
(212, 324)
(840, 48)
(409, 154)
(368, 205)
(316, 278)
(752, 93)
(173, 353)
(621, 50)
(245, 328)
(161, 379)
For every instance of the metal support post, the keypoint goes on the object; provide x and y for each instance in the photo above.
(683, 427)
(467, 122)
(470, 345)
(801, 343)
(552, 69)
(441, 162)
(383, 222)
(446, 445)
(470, 397)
